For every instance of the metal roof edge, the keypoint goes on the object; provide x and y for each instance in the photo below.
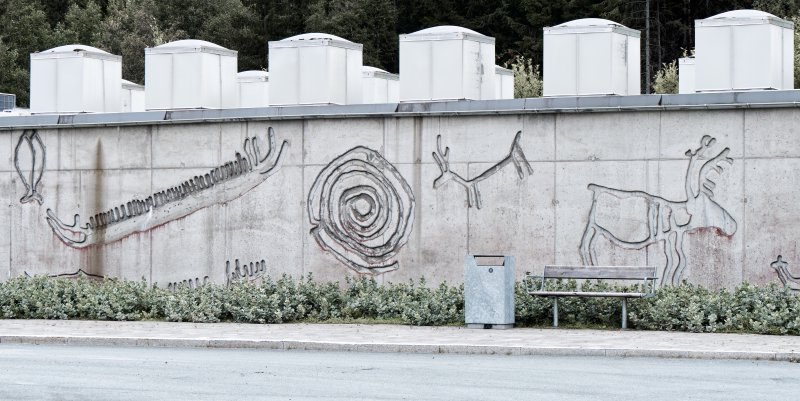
(581, 104)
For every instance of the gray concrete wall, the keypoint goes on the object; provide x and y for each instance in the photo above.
(539, 215)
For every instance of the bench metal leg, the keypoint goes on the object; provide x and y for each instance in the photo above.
(624, 313)
(555, 311)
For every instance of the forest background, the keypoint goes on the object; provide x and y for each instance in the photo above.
(126, 27)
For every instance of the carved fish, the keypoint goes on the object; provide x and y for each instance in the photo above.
(220, 185)
(33, 179)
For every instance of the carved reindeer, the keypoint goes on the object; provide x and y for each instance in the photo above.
(515, 156)
(667, 221)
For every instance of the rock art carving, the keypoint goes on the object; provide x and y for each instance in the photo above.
(361, 210)
(190, 283)
(666, 221)
(515, 157)
(782, 268)
(74, 275)
(37, 152)
(222, 184)
(253, 272)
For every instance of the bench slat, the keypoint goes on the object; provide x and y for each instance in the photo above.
(589, 294)
(601, 272)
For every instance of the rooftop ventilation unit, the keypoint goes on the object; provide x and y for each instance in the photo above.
(8, 101)
(75, 79)
(380, 86)
(686, 75)
(315, 68)
(189, 74)
(132, 96)
(591, 56)
(744, 50)
(503, 83)
(253, 88)
(446, 63)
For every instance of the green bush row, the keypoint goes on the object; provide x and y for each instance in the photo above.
(748, 308)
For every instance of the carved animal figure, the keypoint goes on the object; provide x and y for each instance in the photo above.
(515, 157)
(666, 221)
(787, 278)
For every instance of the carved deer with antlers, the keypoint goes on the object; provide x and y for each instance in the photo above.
(666, 221)
(515, 156)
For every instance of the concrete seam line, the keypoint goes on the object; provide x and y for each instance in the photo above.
(783, 356)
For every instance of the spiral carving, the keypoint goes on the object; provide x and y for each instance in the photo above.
(361, 210)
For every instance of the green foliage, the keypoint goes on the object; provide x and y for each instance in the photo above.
(527, 78)
(666, 80)
(751, 309)
(370, 22)
(764, 310)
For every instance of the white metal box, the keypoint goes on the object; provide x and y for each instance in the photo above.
(188, 74)
(591, 56)
(744, 50)
(75, 79)
(380, 86)
(446, 63)
(686, 72)
(503, 83)
(132, 96)
(315, 68)
(253, 88)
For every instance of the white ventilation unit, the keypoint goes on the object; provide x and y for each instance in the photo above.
(744, 50)
(380, 86)
(503, 83)
(132, 96)
(315, 68)
(446, 63)
(591, 56)
(686, 75)
(253, 88)
(188, 74)
(75, 79)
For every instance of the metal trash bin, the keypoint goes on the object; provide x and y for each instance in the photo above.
(489, 291)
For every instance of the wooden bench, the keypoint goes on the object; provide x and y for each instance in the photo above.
(645, 274)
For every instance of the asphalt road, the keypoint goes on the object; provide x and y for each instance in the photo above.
(52, 372)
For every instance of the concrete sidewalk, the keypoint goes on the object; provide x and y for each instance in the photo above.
(396, 338)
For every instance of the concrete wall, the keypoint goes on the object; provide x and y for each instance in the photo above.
(376, 206)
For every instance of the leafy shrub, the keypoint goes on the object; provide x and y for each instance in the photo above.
(527, 78)
(748, 308)
(666, 79)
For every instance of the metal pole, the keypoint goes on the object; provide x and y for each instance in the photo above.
(555, 311)
(624, 313)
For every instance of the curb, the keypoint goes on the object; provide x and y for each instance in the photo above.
(398, 348)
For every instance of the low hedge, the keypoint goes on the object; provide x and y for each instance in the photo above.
(748, 308)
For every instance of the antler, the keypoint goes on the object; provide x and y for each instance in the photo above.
(704, 182)
(694, 157)
(442, 160)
